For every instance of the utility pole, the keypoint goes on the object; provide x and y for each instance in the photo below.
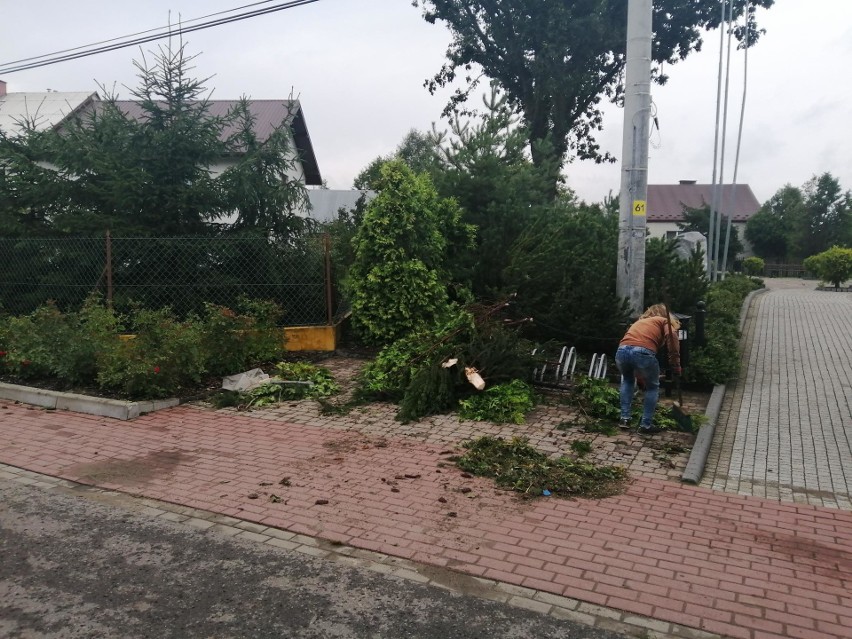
(630, 279)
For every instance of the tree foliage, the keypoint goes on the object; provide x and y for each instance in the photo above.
(833, 265)
(417, 149)
(556, 61)
(563, 270)
(670, 279)
(485, 167)
(797, 222)
(399, 279)
(151, 174)
(769, 230)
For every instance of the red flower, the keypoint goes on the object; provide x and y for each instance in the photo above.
(2, 353)
(156, 369)
(25, 362)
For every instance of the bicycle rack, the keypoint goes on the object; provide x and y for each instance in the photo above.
(598, 367)
(556, 372)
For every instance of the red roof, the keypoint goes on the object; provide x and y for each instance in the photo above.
(667, 201)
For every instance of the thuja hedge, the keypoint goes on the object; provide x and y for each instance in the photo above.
(164, 357)
(718, 360)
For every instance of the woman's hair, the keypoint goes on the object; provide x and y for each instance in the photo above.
(659, 310)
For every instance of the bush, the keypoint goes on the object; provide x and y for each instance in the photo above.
(668, 278)
(49, 343)
(833, 265)
(232, 342)
(399, 278)
(563, 269)
(718, 360)
(163, 357)
(753, 266)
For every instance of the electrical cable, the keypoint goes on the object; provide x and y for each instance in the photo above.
(132, 35)
(173, 31)
(739, 142)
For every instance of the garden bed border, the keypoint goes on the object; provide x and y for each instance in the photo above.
(90, 405)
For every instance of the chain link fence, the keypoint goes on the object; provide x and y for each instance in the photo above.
(179, 272)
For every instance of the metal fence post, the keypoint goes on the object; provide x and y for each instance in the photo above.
(326, 243)
(108, 269)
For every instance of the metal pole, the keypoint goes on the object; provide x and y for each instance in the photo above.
(715, 202)
(630, 277)
(109, 269)
(739, 144)
(326, 242)
(721, 211)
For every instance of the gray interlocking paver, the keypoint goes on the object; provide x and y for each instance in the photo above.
(785, 427)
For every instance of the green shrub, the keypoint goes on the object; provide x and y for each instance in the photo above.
(753, 266)
(233, 342)
(718, 360)
(833, 265)
(399, 279)
(504, 403)
(49, 343)
(164, 356)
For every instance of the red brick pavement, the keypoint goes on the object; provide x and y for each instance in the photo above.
(733, 565)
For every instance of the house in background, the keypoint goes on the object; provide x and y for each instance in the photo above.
(51, 109)
(666, 203)
(41, 110)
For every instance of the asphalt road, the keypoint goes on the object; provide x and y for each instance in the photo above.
(74, 565)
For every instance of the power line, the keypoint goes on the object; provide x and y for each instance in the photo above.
(37, 61)
(131, 35)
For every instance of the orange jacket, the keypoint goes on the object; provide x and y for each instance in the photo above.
(652, 333)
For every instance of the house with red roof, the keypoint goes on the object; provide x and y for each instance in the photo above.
(667, 202)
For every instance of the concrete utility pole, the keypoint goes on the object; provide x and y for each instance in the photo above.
(630, 282)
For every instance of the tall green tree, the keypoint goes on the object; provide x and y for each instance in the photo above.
(556, 60)
(563, 270)
(668, 278)
(827, 217)
(769, 230)
(486, 168)
(797, 222)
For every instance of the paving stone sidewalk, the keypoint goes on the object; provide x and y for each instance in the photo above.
(785, 428)
(687, 557)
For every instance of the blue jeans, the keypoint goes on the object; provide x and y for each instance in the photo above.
(632, 362)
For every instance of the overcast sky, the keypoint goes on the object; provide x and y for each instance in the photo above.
(358, 67)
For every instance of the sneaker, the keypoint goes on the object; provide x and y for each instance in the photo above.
(624, 423)
(649, 430)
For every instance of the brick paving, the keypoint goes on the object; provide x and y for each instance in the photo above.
(733, 565)
(785, 428)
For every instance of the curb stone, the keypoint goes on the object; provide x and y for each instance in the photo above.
(701, 448)
(489, 589)
(86, 404)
